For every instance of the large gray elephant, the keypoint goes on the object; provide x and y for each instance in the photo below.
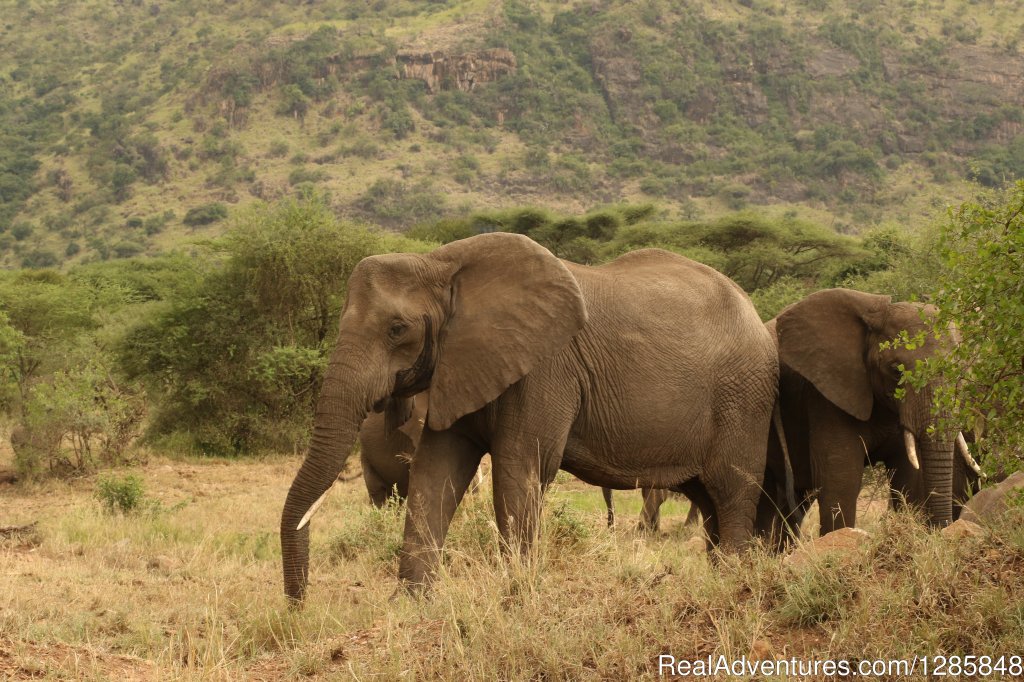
(837, 396)
(651, 370)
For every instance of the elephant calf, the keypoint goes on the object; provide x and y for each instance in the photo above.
(387, 442)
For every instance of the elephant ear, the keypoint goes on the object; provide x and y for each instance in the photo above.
(824, 338)
(513, 305)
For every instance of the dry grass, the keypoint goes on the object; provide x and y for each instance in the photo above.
(192, 590)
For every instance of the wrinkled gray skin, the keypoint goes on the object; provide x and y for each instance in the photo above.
(387, 442)
(838, 407)
(906, 484)
(839, 414)
(771, 507)
(546, 365)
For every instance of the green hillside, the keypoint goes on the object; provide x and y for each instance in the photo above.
(128, 127)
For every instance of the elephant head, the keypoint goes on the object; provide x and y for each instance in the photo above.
(467, 320)
(832, 338)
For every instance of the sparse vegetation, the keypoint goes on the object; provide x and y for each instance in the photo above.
(202, 592)
(830, 109)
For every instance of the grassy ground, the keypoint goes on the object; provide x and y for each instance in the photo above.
(190, 588)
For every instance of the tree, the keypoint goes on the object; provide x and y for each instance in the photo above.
(983, 246)
(47, 314)
(237, 360)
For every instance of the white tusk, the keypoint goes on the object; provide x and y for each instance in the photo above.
(315, 507)
(961, 446)
(908, 440)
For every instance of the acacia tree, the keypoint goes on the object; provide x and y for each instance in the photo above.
(235, 364)
(982, 245)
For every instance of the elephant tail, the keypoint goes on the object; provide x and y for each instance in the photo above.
(788, 464)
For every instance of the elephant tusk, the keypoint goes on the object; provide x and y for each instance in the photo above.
(908, 440)
(313, 509)
(961, 446)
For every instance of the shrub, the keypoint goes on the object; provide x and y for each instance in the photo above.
(205, 214)
(278, 149)
(85, 408)
(238, 357)
(39, 258)
(304, 175)
(120, 495)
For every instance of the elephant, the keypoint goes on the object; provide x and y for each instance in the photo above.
(386, 450)
(387, 442)
(547, 365)
(837, 392)
(777, 499)
(650, 514)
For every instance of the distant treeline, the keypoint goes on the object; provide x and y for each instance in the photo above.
(220, 350)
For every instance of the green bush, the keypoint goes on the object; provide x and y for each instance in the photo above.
(237, 358)
(120, 495)
(304, 175)
(205, 214)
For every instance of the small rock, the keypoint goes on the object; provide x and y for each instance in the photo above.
(989, 504)
(961, 529)
(845, 544)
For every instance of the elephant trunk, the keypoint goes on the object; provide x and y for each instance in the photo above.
(937, 470)
(342, 407)
(935, 452)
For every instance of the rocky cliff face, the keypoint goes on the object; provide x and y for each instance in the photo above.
(442, 71)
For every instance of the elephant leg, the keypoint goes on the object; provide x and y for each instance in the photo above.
(607, 493)
(442, 470)
(700, 500)
(733, 478)
(650, 516)
(378, 489)
(840, 468)
(519, 487)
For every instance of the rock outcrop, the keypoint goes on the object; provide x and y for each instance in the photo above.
(442, 71)
(845, 546)
(991, 503)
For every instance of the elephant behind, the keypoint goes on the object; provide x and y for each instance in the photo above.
(387, 442)
(651, 370)
(837, 396)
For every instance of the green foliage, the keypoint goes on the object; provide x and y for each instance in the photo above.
(83, 415)
(124, 495)
(47, 313)
(566, 526)
(982, 295)
(237, 359)
(394, 202)
(205, 214)
(770, 300)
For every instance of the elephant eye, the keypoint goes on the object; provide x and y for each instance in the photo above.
(397, 329)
